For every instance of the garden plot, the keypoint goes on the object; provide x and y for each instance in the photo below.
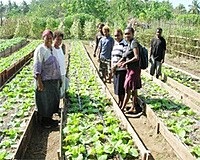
(180, 119)
(16, 106)
(92, 130)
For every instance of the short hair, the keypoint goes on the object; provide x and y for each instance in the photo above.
(101, 25)
(131, 29)
(159, 30)
(106, 28)
(119, 31)
(58, 34)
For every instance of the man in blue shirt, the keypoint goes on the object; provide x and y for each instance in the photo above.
(104, 54)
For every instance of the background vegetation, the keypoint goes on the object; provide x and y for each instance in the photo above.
(78, 19)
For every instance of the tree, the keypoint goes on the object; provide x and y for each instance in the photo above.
(195, 7)
(24, 7)
(180, 9)
(2, 10)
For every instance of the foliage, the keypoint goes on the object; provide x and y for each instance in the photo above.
(22, 28)
(52, 23)
(190, 19)
(89, 29)
(37, 27)
(8, 28)
(76, 29)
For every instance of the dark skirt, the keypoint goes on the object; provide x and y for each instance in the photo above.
(47, 101)
(133, 79)
(118, 80)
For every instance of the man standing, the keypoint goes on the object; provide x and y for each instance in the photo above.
(104, 54)
(157, 53)
(98, 36)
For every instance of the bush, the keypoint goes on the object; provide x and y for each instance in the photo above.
(89, 29)
(22, 28)
(37, 27)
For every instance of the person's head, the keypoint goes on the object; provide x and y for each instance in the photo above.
(47, 36)
(118, 35)
(159, 32)
(57, 37)
(106, 30)
(129, 33)
(100, 27)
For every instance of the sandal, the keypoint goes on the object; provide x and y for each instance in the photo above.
(131, 111)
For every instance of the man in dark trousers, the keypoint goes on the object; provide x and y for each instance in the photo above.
(98, 36)
(157, 53)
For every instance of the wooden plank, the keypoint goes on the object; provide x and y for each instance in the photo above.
(181, 150)
(25, 138)
(62, 107)
(145, 153)
(186, 90)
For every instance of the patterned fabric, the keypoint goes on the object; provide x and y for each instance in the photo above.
(45, 63)
(104, 67)
(117, 53)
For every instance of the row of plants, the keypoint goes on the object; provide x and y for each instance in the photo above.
(92, 130)
(16, 105)
(7, 43)
(182, 78)
(180, 119)
(6, 62)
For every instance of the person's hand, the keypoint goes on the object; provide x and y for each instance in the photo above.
(123, 64)
(40, 86)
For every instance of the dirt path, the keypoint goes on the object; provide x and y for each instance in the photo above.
(156, 143)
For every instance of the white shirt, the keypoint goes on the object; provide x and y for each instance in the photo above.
(61, 60)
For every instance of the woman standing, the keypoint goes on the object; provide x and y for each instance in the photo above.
(58, 37)
(119, 48)
(47, 76)
(133, 80)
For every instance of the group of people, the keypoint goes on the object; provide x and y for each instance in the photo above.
(49, 73)
(119, 59)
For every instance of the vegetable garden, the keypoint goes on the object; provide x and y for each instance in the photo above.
(91, 129)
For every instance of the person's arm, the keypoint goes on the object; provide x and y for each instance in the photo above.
(164, 49)
(96, 45)
(99, 48)
(135, 58)
(37, 58)
(40, 86)
(151, 47)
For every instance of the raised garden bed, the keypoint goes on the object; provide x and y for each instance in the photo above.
(10, 65)
(178, 123)
(91, 129)
(17, 102)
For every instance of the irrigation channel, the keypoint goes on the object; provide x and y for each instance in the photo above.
(91, 124)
